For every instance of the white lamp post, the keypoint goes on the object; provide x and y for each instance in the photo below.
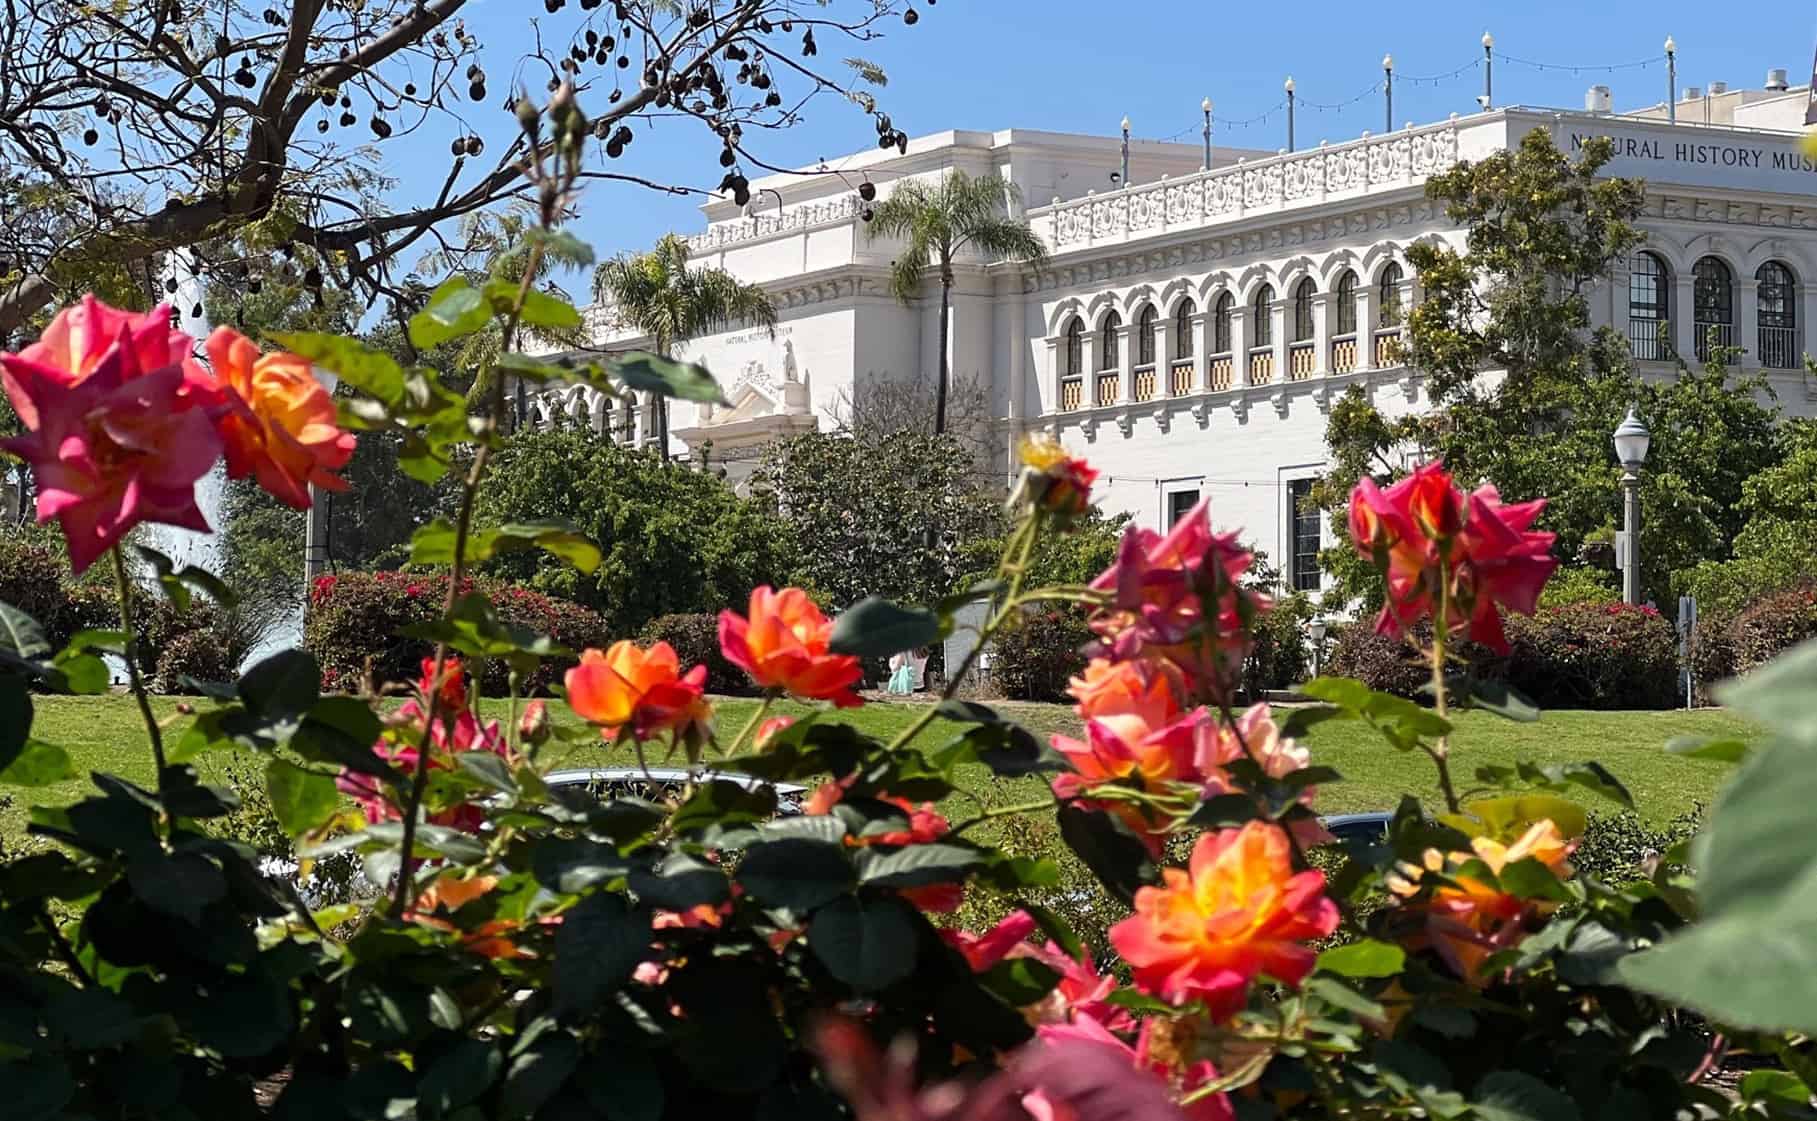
(1631, 442)
(1288, 86)
(1317, 630)
(1123, 176)
(1205, 106)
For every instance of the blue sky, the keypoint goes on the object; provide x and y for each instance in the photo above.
(1067, 65)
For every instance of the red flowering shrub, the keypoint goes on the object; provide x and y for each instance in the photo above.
(1034, 660)
(1773, 624)
(354, 618)
(695, 639)
(1581, 655)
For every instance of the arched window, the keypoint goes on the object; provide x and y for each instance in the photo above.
(1713, 305)
(1220, 322)
(1347, 303)
(1182, 329)
(1107, 341)
(1145, 335)
(1649, 305)
(1074, 365)
(1261, 328)
(1778, 342)
(1388, 297)
(1302, 310)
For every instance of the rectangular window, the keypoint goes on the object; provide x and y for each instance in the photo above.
(1303, 570)
(1179, 504)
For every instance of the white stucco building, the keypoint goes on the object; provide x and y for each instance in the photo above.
(1194, 326)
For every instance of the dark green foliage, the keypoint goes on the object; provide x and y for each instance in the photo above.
(355, 619)
(1034, 660)
(1619, 849)
(675, 541)
(1281, 656)
(890, 515)
(696, 642)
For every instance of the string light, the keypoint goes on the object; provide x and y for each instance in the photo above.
(1400, 79)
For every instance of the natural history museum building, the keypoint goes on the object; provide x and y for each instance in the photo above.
(1195, 325)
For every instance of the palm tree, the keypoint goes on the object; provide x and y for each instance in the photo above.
(657, 293)
(940, 221)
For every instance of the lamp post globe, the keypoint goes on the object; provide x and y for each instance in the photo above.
(1631, 443)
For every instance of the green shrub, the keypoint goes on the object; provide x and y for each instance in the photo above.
(1034, 660)
(353, 621)
(36, 579)
(1282, 654)
(1579, 584)
(198, 655)
(1618, 849)
(696, 641)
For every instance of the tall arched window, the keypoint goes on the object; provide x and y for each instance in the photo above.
(1649, 306)
(1182, 329)
(1302, 310)
(1347, 303)
(1145, 335)
(1388, 296)
(1107, 341)
(1074, 365)
(1713, 304)
(1220, 322)
(1261, 327)
(1778, 343)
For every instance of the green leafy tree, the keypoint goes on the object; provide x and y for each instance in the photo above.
(1776, 545)
(674, 541)
(886, 516)
(659, 294)
(1542, 230)
(937, 223)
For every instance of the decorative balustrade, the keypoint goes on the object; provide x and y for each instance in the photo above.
(1261, 366)
(1343, 354)
(1072, 393)
(1388, 348)
(1712, 337)
(1217, 372)
(1647, 339)
(1779, 349)
(1276, 183)
(1110, 388)
(1179, 378)
(843, 208)
(1143, 387)
(1302, 360)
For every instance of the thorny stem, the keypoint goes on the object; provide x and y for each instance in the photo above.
(64, 949)
(463, 525)
(123, 585)
(744, 733)
(1003, 811)
(1441, 751)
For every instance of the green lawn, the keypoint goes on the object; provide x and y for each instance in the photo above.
(104, 734)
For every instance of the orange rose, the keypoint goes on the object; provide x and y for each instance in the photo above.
(768, 729)
(1468, 919)
(783, 644)
(278, 423)
(448, 894)
(925, 825)
(1056, 480)
(643, 690)
(1240, 911)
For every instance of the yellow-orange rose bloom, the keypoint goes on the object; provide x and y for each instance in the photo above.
(1468, 919)
(278, 421)
(784, 644)
(642, 690)
(1240, 910)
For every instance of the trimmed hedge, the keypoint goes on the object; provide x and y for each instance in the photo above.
(1581, 655)
(353, 620)
(1034, 660)
(695, 638)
